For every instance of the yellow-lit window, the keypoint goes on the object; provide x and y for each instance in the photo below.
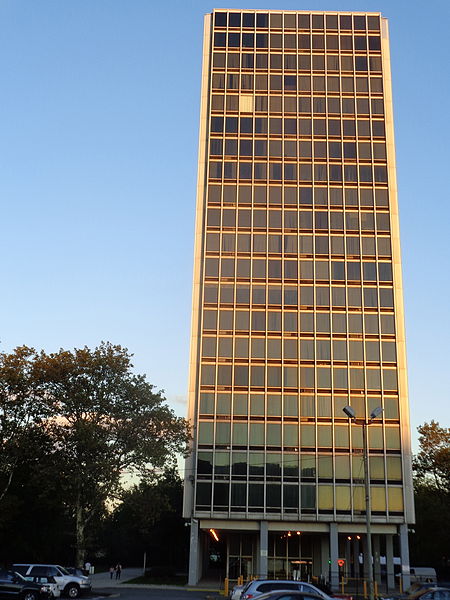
(393, 438)
(358, 467)
(395, 499)
(394, 467)
(378, 498)
(376, 467)
(342, 467)
(325, 466)
(358, 498)
(343, 497)
(326, 497)
(341, 437)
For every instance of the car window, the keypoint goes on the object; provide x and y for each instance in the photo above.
(286, 586)
(63, 570)
(441, 595)
(43, 579)
(53, 571)
(304, 587)
(264, 587)
(39, 571)
(22, 569)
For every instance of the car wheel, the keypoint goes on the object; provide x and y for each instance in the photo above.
(72, 590)
(30, 595)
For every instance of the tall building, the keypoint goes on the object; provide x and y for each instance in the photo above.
(297, 303)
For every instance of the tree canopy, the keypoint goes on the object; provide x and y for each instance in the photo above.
(101, 422)
(432, 462)
(432, 498)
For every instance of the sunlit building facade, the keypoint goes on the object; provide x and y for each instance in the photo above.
(297, 303)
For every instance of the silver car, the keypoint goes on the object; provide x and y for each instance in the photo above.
(257, 588)
(69, 585)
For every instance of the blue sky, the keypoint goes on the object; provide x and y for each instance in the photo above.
(99, 109)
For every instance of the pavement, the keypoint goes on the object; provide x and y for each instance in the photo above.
(103, 582)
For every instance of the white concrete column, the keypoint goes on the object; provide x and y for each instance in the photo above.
(390, 562)
(194, 554)
(334, 555)
(365, 558)
(376, 559)
(263, 549)
(404, 556)
(324, 557)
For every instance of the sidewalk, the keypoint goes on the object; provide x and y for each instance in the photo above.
(103, 580)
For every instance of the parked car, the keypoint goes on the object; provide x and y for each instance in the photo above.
(289, 595)
(76, 571)
(69, 585)
(426, 574)
(425, 592)
(49, 582)
(14, 586)
(258, 587)
(236, 592)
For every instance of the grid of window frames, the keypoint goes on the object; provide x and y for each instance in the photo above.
(298, 306)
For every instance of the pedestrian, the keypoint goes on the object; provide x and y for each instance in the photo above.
(118, 570)
(111, 572)
(87, 567)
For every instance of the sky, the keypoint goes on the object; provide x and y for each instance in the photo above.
(99, 112)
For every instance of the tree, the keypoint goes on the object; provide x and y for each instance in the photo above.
(431, 468)
(432, 463)
(142, 521)
(23, 409)
(102, 421)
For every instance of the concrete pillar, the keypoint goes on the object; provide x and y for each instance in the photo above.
(316, 556)
(194, 554)
(376, 559)
(356, 565)
(390, 574)
(324, 557)
(263, 549)
(334, 555)
(365, 558)
(348, 557)
(404, 556)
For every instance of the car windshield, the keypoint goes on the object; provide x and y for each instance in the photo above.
(18, 575)
(63, 570)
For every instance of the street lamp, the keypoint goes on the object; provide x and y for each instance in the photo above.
(376, 412)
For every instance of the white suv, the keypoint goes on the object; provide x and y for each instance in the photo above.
(69, 585)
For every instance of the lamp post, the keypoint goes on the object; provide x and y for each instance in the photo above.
(350, 412)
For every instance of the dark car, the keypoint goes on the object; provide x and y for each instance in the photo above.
(13, 585)
(424, 592)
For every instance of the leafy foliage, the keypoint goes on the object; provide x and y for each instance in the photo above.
(431, 541)
(149, 520)
(100, 422)
(23, 408)
(432, 463)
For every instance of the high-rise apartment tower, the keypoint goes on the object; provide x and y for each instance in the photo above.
(297, 304)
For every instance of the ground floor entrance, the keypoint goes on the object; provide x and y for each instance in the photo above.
(328, 553)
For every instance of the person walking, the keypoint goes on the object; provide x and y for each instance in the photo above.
(111, 572)
(118, 570)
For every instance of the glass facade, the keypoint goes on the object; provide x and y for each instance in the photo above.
(297, 299)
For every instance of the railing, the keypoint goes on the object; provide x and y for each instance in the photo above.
(351, 586)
